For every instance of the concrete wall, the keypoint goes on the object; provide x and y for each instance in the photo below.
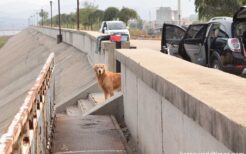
(83, 40)
(86, 41)
(22, 58)
(172, 106)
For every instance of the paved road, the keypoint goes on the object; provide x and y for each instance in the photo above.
(87, 134)
(151, 44)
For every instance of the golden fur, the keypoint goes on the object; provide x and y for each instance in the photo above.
(108, 81)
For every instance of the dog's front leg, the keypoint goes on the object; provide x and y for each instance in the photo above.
(111, 93)
(106, 95)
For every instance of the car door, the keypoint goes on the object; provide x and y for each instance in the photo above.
(104, 27)
(171, 37)
(101, 27)
(239, 27)
(194, 43)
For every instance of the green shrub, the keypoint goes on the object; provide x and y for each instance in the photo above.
(3, 40)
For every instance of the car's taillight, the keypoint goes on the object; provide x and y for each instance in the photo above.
(234, 44)
(239, 66)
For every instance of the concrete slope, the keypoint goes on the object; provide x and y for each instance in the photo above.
(21, 60)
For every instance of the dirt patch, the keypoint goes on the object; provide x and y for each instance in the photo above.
(3, 40)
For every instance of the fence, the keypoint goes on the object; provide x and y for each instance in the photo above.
(32, 127)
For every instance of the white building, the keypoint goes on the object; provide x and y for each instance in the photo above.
(175, 16)
(167, 15)
(163, 14)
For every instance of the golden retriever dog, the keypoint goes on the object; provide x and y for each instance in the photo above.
(108, 81)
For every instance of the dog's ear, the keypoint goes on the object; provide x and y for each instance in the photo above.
(95, 67)
(105, 67)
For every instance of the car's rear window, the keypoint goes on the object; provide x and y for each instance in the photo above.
(116, 26)
(174, 33)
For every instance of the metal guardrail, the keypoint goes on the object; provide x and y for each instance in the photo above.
(32, 127)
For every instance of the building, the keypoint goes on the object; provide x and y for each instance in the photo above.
(163, 14)
(175, 16)
(167, 15)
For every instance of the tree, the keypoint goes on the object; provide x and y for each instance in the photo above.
(85, 14)
(210, 8)
(126, 14)
(43, 14)
(72, 19)
(111, 13)
(66, 19)
(96, 17)
(91, 17)
(243, 2)
(136, 24)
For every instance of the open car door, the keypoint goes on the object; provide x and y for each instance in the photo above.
(194, 43)
(171, 37)
(239, 27)
(239, 24)
(240, 15)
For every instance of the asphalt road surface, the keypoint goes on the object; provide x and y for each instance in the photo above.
(150, 44)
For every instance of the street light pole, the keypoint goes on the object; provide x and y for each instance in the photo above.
(179, 12)
(37, 17)
(42, 13)
(77, 14)
(50, 13)
(59, 36)
(29, 21)
(33, 21)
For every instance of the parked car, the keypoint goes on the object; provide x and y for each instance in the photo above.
(219, 44)
(114, 28)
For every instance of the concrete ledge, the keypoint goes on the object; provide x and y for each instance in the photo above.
(108, 48)
(84, 41)
(213, 99)
(112, 106)
(92, 34)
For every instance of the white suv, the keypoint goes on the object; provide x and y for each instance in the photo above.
(114, 27)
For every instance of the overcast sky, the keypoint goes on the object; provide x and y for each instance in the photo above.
(146, 8)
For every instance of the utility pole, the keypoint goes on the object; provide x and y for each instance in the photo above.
(59, 36)
(77, 14)
(179, 12)
(33, 20)
(50, 13)
(42, 13)
(37, 17)
(150, 25)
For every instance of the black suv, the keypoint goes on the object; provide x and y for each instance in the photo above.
(219, 44)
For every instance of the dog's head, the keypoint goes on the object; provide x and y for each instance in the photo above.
(100, 69)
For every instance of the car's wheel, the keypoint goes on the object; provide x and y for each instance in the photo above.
(216, 64)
